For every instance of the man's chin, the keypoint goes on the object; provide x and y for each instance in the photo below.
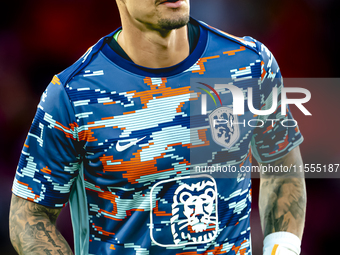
(170, 24)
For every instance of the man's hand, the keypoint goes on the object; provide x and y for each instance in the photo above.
(282, 201)
(33, 230)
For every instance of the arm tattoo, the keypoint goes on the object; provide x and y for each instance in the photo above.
(284, 205)
(282, 202)
(33, 230)
(47, 251)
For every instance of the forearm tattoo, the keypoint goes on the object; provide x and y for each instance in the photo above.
(33, 230)
(282, 200)
(282, 205)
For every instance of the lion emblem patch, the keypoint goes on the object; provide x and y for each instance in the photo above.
(194, 217)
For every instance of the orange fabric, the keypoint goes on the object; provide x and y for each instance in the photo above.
(274, 249)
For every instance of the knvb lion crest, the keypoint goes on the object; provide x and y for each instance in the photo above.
(223, 130)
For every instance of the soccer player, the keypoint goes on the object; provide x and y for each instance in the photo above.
(127, 133)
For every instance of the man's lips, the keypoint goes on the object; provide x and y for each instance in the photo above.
(163, 1)
(171, 4)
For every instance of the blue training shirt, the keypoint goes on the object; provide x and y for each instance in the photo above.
(147, 157)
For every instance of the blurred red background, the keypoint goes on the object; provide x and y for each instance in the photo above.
(40, 38)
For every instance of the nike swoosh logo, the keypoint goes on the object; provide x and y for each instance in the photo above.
(124, 147)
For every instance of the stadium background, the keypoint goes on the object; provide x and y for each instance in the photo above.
(40, 38)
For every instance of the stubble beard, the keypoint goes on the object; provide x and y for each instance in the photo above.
(170, 24)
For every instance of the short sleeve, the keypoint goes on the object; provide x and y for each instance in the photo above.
(279, 134)
(50, 157)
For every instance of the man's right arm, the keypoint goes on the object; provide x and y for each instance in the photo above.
(33, 230)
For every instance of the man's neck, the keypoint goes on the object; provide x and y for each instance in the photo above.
(153, 49)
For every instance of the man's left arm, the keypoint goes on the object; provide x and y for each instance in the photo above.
(282, 203)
